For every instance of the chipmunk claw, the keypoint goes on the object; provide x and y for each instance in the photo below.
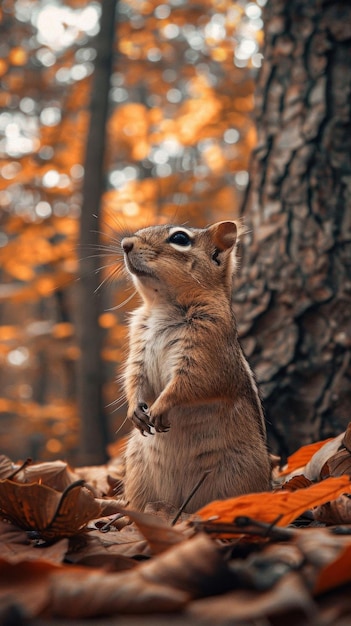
(141, 419)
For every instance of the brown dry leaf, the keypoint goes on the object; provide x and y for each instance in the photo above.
(195, 566)
(336, 512)
(109, 506)
(7, 467)
(55, 474)
(94, 551)
(281, 507)
(288, 597)
(159, 534)
(25, 585)
(321, 550)
(48, 512)
(339, 463)
(162, 584)
(320, 547)
(96, 593)
(297, 482)
(347, 438)
(117, 543)
(314, 467)
(15, 546)
(105, 480)
(336, 573)
(299, 458)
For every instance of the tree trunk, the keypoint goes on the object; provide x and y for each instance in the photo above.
(90, 375)
(293, 295)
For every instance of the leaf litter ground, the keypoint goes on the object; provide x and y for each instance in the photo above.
(69, 550)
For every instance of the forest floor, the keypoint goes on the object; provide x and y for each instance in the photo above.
(71, 554)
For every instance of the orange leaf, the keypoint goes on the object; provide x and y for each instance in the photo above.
(281, 507)
(336, 573)
(302, 456)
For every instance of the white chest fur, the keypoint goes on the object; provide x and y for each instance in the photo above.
(159, 336)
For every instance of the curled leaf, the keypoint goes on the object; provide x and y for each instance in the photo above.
(301, 457)
(314, 468)
(51, 514)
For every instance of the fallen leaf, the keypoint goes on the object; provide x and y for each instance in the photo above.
(15, 546)
(299, 458)
(289, 597)
(195, 565)
(105, 480)
(320, 547)
(94, 551)
(55, 474)
(297, 482)
(347, 438)
(280, 507)
(159, 534)
(336, 512)
(49, 513)
(109, 506)
(163, 584)
(339, 463)
(25, 585)
(7, 467)
(336, 573)
(114, 542)
(313, 469)
(97, 593)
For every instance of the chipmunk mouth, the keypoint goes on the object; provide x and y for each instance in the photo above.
(138, 271)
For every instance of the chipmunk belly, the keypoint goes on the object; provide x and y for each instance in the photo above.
(166, 466)
(160, 355)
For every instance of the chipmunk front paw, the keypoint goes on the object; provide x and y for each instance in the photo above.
(159, 423)
(141, 419)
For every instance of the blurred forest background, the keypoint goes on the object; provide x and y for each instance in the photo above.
(178, 140)
(126, 113)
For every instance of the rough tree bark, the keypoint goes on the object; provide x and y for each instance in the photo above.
(94, 435)
(294, 289)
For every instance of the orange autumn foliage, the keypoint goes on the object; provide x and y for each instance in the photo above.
(280, 508)
(336, 573)
(302, 456)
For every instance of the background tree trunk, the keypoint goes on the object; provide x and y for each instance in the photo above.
(94, 435)
(294, 291)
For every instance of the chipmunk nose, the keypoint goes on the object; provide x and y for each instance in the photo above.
(127, 245)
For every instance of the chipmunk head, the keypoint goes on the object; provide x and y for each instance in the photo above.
(176, 261)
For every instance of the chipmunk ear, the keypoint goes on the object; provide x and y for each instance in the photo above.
(224, 235)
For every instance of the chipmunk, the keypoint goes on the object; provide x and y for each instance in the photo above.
(189, 388)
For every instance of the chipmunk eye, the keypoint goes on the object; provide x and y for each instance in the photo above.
(180, 239)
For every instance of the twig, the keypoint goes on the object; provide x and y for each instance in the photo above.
(246, 525)
(106, 527)
(191, 494)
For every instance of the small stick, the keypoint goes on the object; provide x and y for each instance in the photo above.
(191, 494)
(106, 527)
